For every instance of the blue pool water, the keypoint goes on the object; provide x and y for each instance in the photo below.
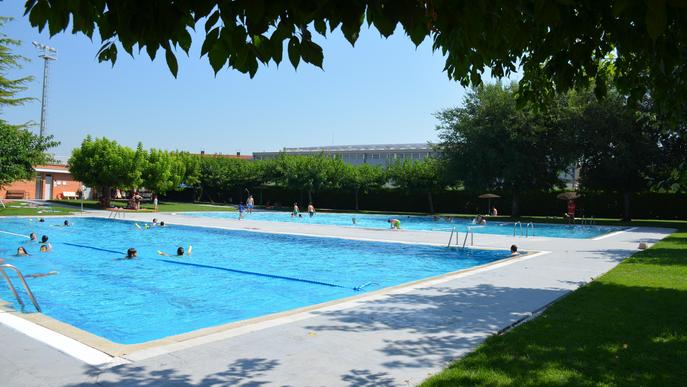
(422, 223)
(230, 276)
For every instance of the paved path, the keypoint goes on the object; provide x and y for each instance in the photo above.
(388, 340)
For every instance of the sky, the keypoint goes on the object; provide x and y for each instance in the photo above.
(381, 91)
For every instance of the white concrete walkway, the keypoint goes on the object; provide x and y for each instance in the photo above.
(395, 339)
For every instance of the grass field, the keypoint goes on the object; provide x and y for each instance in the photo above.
(627, 328)
(26, 209)
(162, 207)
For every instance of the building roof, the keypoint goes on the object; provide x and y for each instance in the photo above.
(225, 156)
(51, 168)
(359, 148)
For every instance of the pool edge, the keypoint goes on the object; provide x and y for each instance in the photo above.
(196, 337)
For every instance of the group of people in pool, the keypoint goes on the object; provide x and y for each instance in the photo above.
(296, 213)
(132, 253)
(45, 245)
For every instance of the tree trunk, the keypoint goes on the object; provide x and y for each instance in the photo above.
(309, 196)
(357, 208)
(105, 197)
(515, 208)
(431, 204)
(626, 206)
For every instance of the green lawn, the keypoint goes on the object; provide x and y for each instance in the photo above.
(26, 209)
(627, 328)
(162, 207)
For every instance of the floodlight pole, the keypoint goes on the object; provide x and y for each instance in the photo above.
(47, 53)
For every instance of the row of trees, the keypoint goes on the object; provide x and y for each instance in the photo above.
(491, 143)
(104, 164)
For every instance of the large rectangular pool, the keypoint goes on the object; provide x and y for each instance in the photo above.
(420, 223)
(230, 276)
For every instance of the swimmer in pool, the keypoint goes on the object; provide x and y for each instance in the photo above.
(37, 275)
(66, 223)
(180, 252)
(131, 253)
(33, 237)
(514, 251)
(46, 248)
(21, 252)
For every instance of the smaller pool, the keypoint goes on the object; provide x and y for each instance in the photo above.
(421, 223)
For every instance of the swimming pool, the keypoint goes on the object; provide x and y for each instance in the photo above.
(421, 223)
(230, 276)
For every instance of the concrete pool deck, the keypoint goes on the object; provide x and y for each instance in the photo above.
(398, 337)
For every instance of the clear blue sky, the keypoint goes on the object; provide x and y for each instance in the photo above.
(380, 91)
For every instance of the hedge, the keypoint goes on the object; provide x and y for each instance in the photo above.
(648, 205)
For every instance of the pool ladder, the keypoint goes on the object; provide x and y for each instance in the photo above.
(517, 226)
(469, 232)
(23, 281)
(114, 213)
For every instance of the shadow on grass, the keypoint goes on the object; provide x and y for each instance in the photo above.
(603, 334)
(242, 372)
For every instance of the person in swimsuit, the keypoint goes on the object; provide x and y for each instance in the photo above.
(514, 251)
(296, 210)
(395, 224)
(131, 253)
(21, 252)
(311, 210)
(250, 204)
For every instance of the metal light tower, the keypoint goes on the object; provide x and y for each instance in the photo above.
(47, 53)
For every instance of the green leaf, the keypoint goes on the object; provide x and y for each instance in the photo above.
(294, 52)
(212, 20)
(218, 57)
(312, 53)
(171, 62)
(321, 27)
(185, 41)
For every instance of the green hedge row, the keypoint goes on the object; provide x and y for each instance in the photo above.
(643, 205)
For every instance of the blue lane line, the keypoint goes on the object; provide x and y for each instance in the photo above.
(226, 269)
(94, 248)
(254, 273)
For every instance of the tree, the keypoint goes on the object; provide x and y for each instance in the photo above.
(559, 44)
(308, 173)
(20, 149)
(621, 148)
(418, 176)
(104, 164)
(219, 176)
(490, 144)
(362, 178)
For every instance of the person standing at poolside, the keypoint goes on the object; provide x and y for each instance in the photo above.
(241, 209)
(395, 224)
(494, 212)
(311, 210)
(250, 202)
(155, 203)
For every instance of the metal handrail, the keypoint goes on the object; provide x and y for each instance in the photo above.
(451, 236)
(23, 281)
(515, 225)
(527, 228)
(472, 237)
